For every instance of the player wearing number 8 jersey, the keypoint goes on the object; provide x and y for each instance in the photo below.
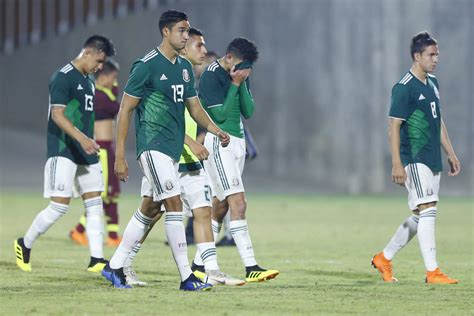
(417, 133)
(72, 152)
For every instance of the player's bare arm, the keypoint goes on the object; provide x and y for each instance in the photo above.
(124, 116)
(399, 175)
(454, 163)
(199, 150)
(57, 114)
(202, 118)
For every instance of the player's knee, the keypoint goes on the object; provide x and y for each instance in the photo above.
(173, 204)
(423, 207)
(202, 214)
(238, 208)
(61, 200)
(149, 207)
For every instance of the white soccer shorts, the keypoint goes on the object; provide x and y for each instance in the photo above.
(63, 177)
(422, 185)
(160, 175)
(225, 165)
(195, 190)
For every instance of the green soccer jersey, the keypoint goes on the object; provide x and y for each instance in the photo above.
(188, 161)
(70, 88)
(216, 90)
(162, 87)
(417, 104)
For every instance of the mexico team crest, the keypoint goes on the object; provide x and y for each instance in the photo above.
(186, 75)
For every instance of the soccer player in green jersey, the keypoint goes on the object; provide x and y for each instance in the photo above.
(225, 94)
(195, 191)
(417, 134)
(72, 152)
(160, 86)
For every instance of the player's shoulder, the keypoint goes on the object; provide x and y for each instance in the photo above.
(149, 57)
(406, 79)
(214, 67)
(63, 73)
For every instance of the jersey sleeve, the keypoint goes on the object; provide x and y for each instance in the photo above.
(191, 92)
(399, 104)
(139, 76)
(59, 90)
(210, 90)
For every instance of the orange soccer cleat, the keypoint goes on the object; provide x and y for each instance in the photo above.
(384, 266)
(438, 277)
(78, 237)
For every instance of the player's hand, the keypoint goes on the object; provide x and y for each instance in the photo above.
(89, 146)
(224, 138)
(399, 176)
(239, 76)
(199, 150)
(454, 165)
(121, 169)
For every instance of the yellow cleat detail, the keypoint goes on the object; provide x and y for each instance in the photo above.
(96, 268)
(260, 276)
(19, 257)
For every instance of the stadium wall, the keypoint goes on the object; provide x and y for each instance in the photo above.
(322, 86)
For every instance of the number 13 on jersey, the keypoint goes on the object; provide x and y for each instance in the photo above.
(178, 92)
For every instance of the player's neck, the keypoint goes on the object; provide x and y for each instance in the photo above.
(168, 51)
(223, 64)
(78, 65)
(419, 73)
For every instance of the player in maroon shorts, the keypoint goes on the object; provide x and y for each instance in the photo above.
(106, 109)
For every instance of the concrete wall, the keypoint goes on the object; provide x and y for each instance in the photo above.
(322, 84)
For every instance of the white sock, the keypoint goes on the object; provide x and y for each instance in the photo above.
(129, 260)
(95, 226)
(426, 237)
(240, 233)
(403, 235)
(227, 226)
(208, 255)
(177, 241)
(197, 258)
(216, 229)
(133, 234)
(43, 221)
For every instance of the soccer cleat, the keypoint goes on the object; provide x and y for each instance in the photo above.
(96, 265)
(218, 277)
(384, 266)
(78, 237)
(257, 274)
(438, 277)
(113, 242)
(116, 277)
(192, 283)
(131, 277)
(22, 255)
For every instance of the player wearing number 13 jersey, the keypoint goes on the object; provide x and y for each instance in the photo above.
(72, 152)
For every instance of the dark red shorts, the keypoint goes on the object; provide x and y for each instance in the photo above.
(113, 183)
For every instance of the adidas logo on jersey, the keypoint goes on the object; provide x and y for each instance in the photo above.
(421, 97)
(79, 87)
(163, 77)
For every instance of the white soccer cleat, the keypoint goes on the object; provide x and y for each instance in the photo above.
(218, 277)
(132, 278)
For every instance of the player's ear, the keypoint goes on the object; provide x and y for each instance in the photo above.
(417, 56)
(166, 31)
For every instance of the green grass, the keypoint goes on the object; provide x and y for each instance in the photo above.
(322, 245)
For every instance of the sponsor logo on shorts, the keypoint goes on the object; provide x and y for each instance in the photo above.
(186, 75)
(61, 187)
(429, 192)
(169, 185)
(235, 182)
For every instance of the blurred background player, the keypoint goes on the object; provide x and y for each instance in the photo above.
(195, 191)
(160, 86)
(225, 94)
(417, 133)
(106, 108)
(72, 152)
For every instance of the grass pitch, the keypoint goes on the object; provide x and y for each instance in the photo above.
(322, 246)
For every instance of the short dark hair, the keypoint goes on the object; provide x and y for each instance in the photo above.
(109, 66)
(419, 42)
(195, 32)
(211, 53)
(243, 48)
(101, 44)
(169, 18)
